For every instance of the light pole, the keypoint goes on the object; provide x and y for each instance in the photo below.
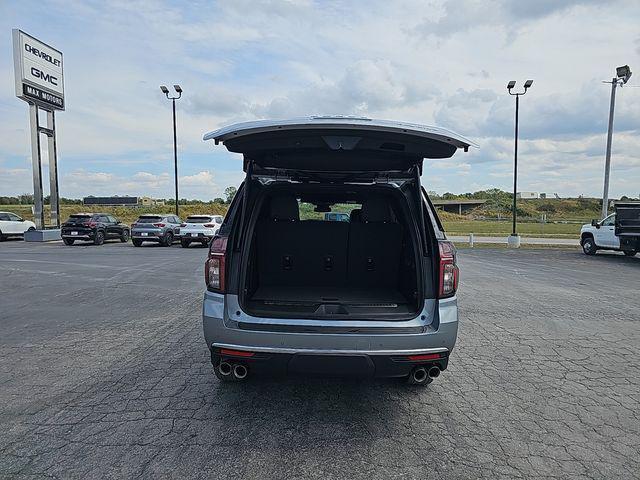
(513, 240)
(178, 90)
(623, 74)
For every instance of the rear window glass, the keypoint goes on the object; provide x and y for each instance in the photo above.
(149, 219)
(339, 212)
(80, 216)
(198, 219)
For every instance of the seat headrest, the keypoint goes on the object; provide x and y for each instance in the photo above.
(284, 208)
(355, 216)
(376, 210)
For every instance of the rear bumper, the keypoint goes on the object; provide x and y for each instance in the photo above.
(150, 235)
(196, 236)
(371, 354)
(86, 235)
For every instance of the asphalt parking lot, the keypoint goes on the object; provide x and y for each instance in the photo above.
(104, 373)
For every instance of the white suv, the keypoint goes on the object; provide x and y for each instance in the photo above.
(11, 225)
(199, 229)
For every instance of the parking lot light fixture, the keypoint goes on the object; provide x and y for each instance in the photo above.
(510, 86)
(623, 74)
(173, 99)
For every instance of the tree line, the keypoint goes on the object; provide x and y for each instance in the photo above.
(27, 199)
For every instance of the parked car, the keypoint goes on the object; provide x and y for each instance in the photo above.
(93, 227)
(11, 225)
(162, 229)
(199, 228)
(619, 231)
(375, 296)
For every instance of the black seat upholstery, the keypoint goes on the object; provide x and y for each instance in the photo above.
(293, 252)
(374, 246)
(362, 253)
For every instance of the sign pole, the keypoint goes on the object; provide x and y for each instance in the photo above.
(36, 161)
(54, 199)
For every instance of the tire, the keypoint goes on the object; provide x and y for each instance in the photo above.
(68, 241)
(589, 246)
(167, 241)
(2, 237)
(185, 243)
(136, 242)
(630, 253)
(124, 238)
(99, 238)
(30, 229)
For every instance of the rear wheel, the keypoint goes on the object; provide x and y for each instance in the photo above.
(30, 229)
(124, 238)
(589, 246)
(185, 243)
(168, 239)
(630, 253)
(136, 242)
(2, 237)
(99, 238)
(68, 241)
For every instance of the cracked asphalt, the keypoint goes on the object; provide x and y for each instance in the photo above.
(104, 374)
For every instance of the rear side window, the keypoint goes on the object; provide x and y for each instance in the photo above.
(432, 217)
(4, 216)
(198, 219)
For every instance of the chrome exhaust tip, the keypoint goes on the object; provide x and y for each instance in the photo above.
(434, 372)
(225, 368)
(419, 375)
(240, 371)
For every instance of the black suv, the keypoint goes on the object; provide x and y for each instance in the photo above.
(94, 227)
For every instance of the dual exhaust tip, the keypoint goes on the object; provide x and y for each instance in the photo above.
(237, 370)
(421, 374)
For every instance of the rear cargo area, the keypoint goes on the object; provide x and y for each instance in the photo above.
(312, 268)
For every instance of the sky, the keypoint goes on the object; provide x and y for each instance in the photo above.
(438, 62)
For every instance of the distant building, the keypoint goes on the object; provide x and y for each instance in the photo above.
(118, 201)
(149, 202)
(527, 195)
(457, 206)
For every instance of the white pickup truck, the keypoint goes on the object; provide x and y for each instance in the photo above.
(619, 231)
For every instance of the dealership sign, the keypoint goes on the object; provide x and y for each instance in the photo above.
(38, 72)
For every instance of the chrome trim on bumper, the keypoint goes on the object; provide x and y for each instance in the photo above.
(420, 351)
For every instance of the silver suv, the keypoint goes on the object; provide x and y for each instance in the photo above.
(289, 291)
(162, 229)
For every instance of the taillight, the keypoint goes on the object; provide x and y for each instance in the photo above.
(183, 224)
(209, 225)
(449, 272)
(90, 224)
(159, 225)
(214, 268)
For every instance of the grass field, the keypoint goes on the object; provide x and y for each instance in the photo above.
(479, 227)
(453, 224)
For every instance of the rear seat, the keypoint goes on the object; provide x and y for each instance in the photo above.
(374, 247)
(293, 252)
